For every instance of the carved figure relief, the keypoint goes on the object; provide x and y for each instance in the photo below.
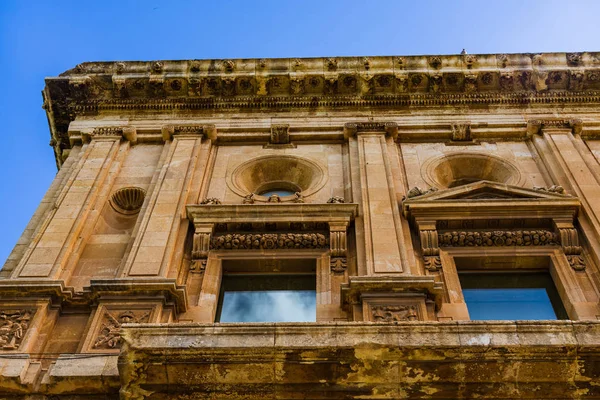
(398, 313)
(109, 336)
(13, 325)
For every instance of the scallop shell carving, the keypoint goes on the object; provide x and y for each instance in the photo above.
(128, 200)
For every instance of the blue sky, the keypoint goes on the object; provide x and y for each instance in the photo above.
(45, 38)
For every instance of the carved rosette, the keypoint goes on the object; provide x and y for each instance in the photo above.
(13, 326)
(109, 336)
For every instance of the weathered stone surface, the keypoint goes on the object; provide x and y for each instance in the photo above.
(392, 177)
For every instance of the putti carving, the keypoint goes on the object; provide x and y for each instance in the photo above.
(228, 65)
(248, 199)
(259, 241)
(435, 62)
(331, 64)
(228, 86)
(109, 336)
(280, 134)
(435, 83)
(470, 83)
(399, 313)
(211, 201)
(297, 85)
(502, 60)
(156, 67)
(336, 200)
(470, 60)
(299, 198)
(551, 189)
(506, 81)
(569, 239)
(461, 131)
(498, 238)
(13, 326)
(574, 59)
(576, 80)
(416, 192)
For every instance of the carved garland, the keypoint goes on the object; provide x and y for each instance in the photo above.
(498, 238)
(241, 241)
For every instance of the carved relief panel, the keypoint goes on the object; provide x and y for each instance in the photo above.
(104, 333)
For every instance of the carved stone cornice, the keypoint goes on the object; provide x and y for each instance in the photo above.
(270, 84)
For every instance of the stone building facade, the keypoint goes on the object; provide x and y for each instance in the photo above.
(404, 174)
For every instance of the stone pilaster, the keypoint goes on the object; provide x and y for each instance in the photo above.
(49, 251)
(154, 247)
(380, 216)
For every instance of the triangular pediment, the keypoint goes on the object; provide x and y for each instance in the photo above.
(486, 190)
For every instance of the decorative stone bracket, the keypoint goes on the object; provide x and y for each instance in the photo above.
(429, 246)
(339, 247)
(201, 246)
(569, 240)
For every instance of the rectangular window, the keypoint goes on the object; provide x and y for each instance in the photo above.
(511, 296)
(268, 290)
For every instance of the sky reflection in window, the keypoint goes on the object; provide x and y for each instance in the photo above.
(509, 304)
(269, 306)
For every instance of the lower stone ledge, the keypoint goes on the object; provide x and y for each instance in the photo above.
(82, 374)
(501, 360)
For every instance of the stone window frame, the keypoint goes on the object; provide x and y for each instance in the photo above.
(558, 268)
(211, 284)
(331, 261)
(427, 210)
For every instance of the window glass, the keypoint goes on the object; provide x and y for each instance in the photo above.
(267, 298)
(511, 296)
(278, 192)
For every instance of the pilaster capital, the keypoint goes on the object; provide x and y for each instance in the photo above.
(538, 126)
(110, 133)
(208, 131)
(357, 128)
